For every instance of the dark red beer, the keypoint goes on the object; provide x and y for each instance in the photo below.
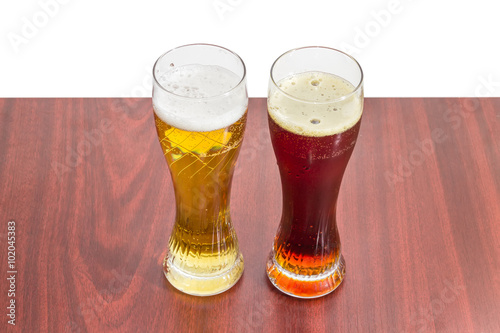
(311, 168)
(315, 105)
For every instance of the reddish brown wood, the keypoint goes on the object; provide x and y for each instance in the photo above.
(421, 243)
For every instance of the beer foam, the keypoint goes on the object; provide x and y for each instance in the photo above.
(195, 98)
(315, 104)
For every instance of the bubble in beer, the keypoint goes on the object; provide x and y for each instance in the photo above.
(315, 121)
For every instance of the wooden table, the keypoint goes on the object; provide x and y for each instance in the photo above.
(88, 188)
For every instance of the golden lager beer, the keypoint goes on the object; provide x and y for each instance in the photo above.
(200, 117)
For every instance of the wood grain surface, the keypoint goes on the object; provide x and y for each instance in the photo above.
(88, 187)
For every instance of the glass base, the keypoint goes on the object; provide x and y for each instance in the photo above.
(305, 286)
(197, 285)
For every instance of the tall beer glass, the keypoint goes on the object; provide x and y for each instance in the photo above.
(200, 105)
(315, 105)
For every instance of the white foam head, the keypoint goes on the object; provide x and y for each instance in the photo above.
(199, 98)
(315, 104)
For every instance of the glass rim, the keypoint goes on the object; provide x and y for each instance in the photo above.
(339, 99)
(242, 81)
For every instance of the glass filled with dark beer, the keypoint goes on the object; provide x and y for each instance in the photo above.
(200, 105)
(315, 104)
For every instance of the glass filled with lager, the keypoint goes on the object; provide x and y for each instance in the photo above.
(315, 103)
(200, 106)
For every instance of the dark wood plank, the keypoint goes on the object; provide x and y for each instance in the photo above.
(418, 217)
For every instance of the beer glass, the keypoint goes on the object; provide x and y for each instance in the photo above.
(200, 107)
(315, 103)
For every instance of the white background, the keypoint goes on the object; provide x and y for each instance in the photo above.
(107, 48)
